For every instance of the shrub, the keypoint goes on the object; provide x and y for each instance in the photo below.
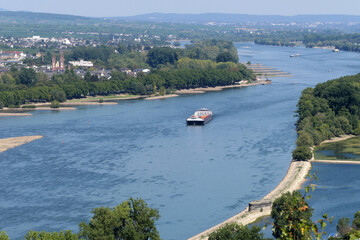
(1, 105)
(101, 100)
(302, 153)
(55, 104)
(13, 106)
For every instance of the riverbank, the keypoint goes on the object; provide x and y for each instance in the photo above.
(4, 114)
(292, 181)
(7, 143)
(220, 88)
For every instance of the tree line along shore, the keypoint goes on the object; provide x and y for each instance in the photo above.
(208, 63)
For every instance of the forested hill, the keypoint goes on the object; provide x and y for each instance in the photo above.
(329, 110)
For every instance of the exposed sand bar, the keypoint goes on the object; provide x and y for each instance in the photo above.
(218, 88)
(7, 143)
(84, 103)
(337, 161)
(14, 114)
(293, 180)
(162, 97)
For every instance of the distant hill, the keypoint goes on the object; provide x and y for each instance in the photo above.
(38, 18)
(50, 18)
(239, 18)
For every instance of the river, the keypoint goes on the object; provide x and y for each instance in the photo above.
(196, 176)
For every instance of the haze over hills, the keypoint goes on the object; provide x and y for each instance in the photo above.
(51, 18)
(240, 18)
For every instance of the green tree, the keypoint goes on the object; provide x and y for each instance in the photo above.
(292, 217)
(234, 231)
(343, 226)
(226, 57)
(55, 104)
(302, 153)
(131, 220)
(3, 235)
(164, 55)
(27, 76)
(356, 221)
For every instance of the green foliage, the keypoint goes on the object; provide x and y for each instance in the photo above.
(63, 235)
(329, 110)
(302, 153)
(343, 226)
(131, 220)
(161, 56)
(305, 139)
(3, 235)
(292, 217)
(27, 76)
(1, 105)
(162, 91)
(226, 57)
(55, 104)
(347, 232)
(356, 221)
(235, 231)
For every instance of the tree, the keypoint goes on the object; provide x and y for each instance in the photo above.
(131, 220)
(356, 221)
(164, 55)
(226, 57)
(55, 104)
(292, 217)
(27, 76)
(3, 235)
(87, 76)
(343, 226)
(302, 153)
(234, 231)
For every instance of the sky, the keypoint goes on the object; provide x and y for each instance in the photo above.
(117, 8)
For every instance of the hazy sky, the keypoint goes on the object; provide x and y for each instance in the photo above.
(110, 8)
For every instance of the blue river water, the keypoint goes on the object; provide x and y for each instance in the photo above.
(197, 176)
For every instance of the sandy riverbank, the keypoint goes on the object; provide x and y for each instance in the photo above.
(218, 88)
(7, 143)
(14, 114)
(162, 97)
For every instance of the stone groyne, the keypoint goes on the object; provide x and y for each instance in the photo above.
(292, 181)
